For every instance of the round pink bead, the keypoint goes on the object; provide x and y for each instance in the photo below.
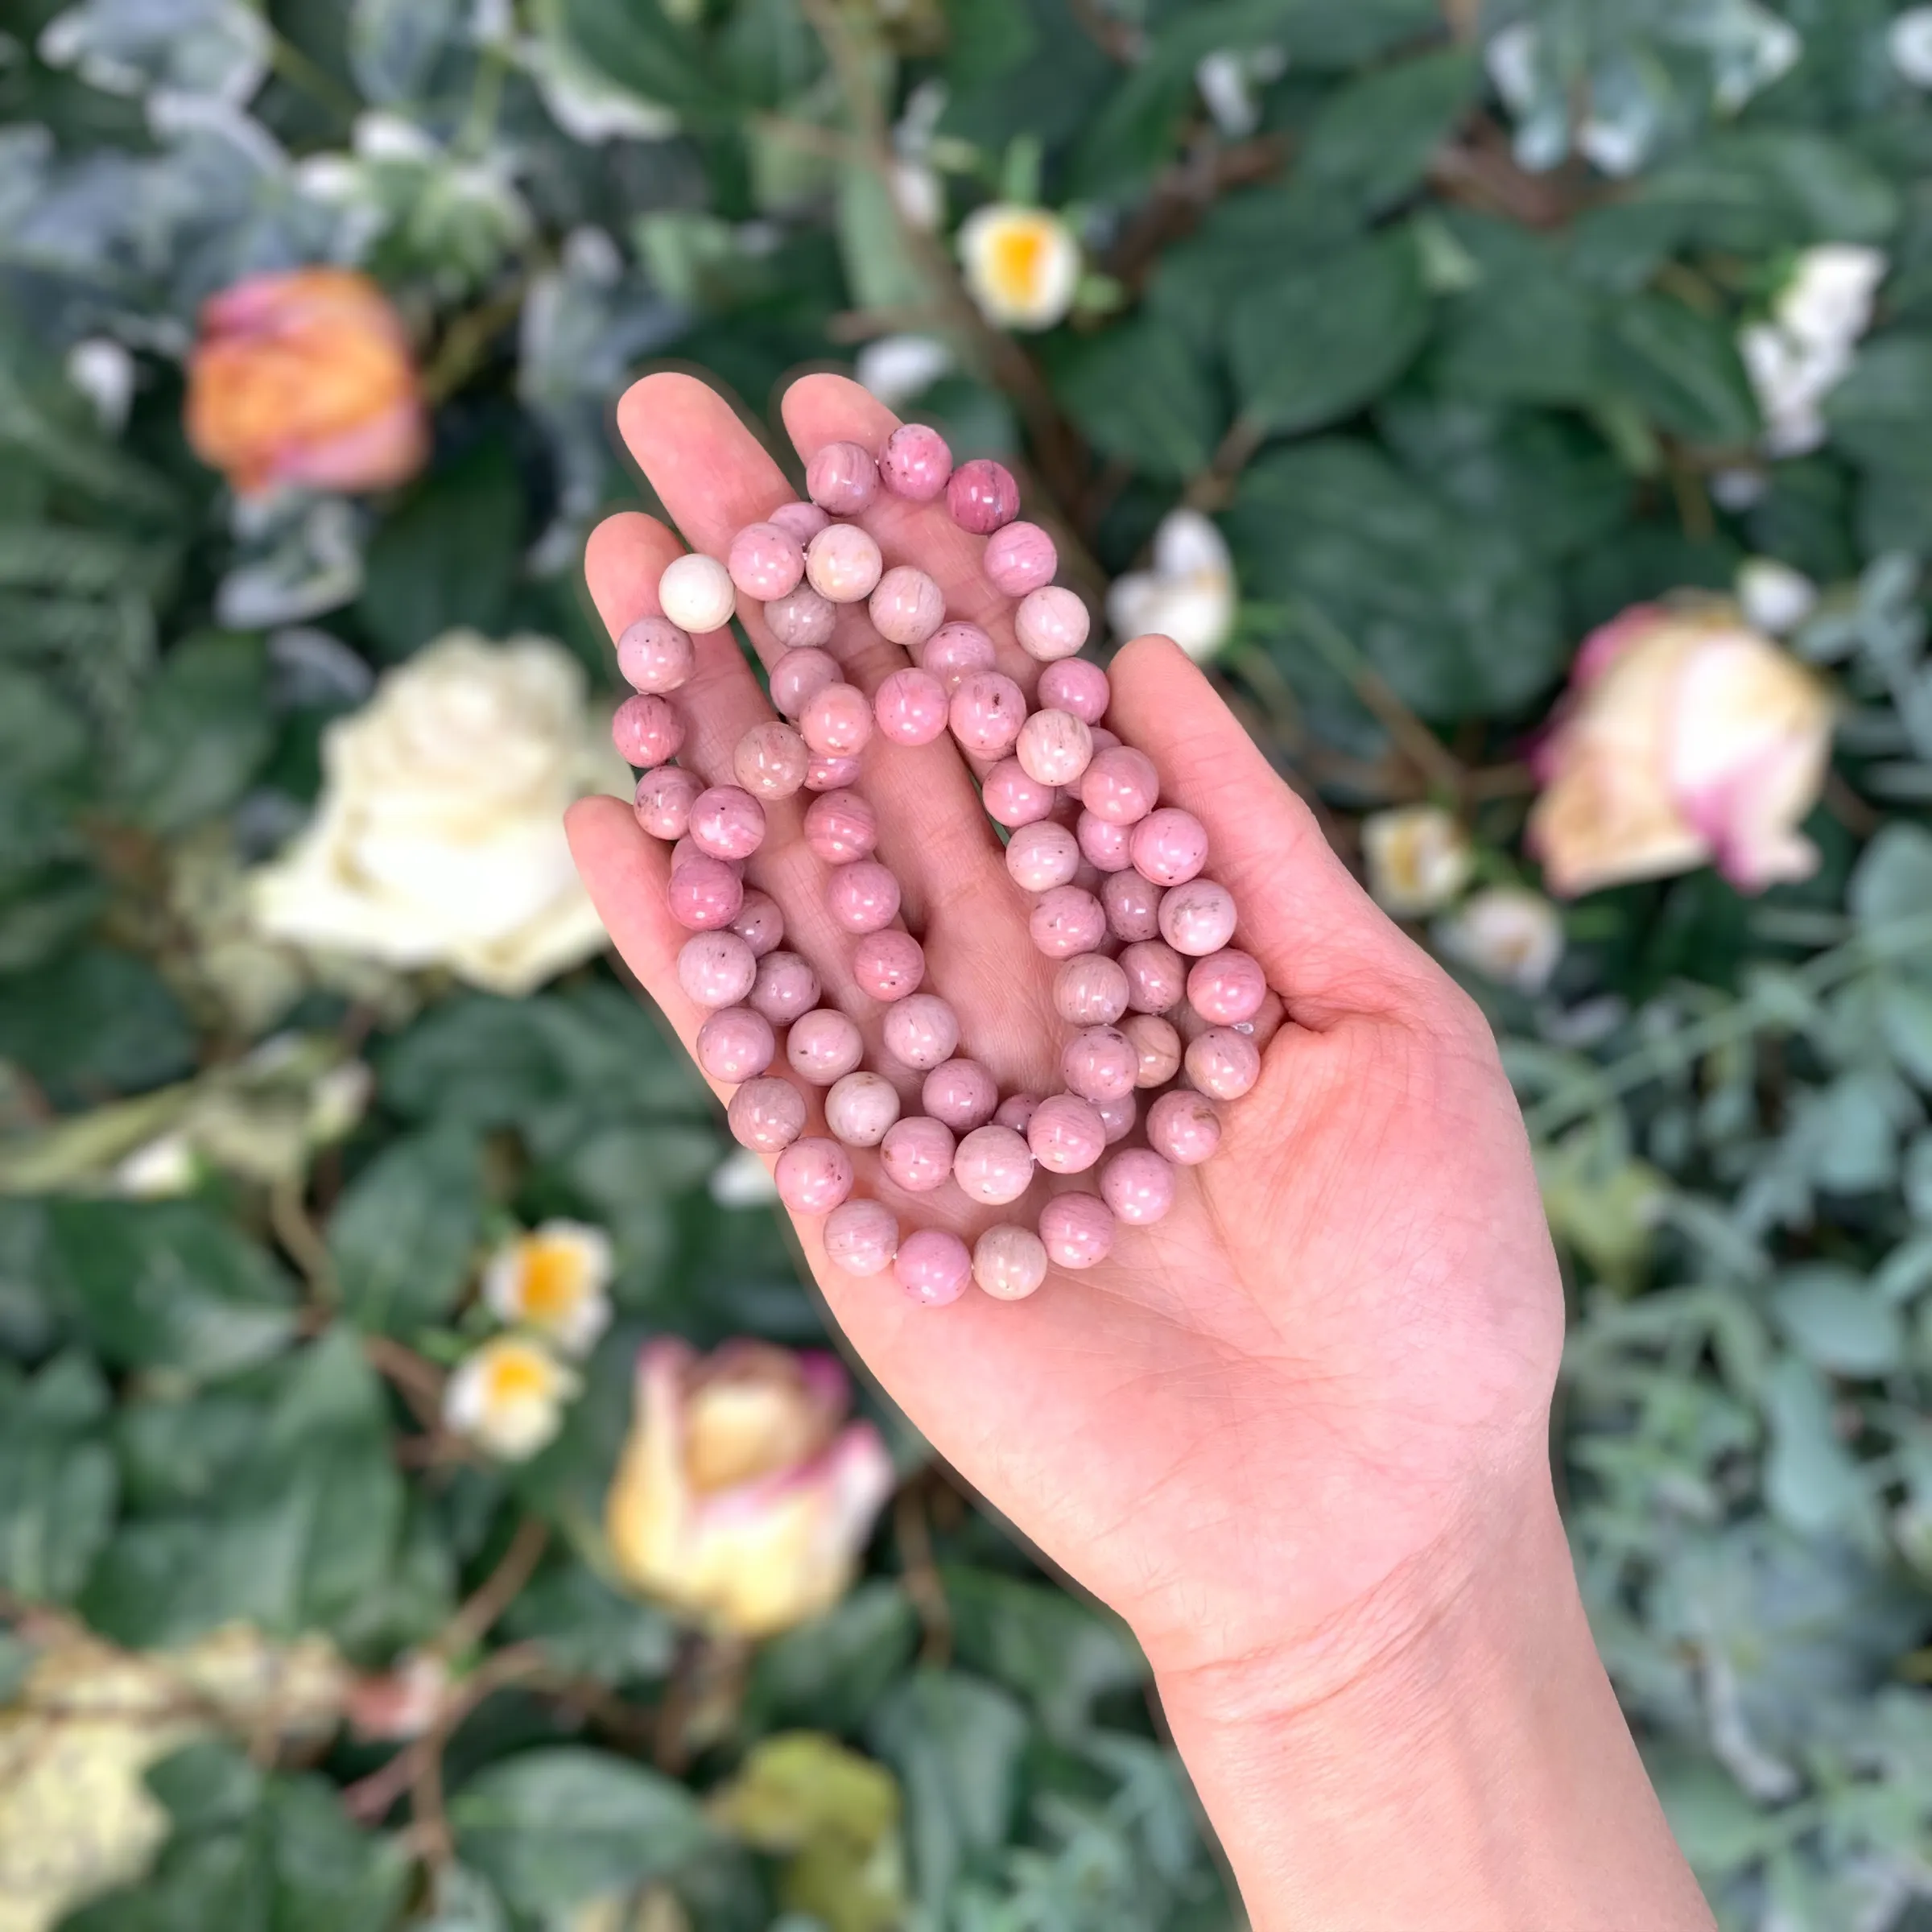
(889, 965)
(655, 655)
(994, 1166)
(842, 479)
(933, 1266)
(862, 1237)
(1158, 1045)
(840, 827)
(1054, 747)
(907, 607)
(1169, 846)
(1008, 1262)
(663, 800)
(800, 522)
(915, 462)
(1051, 623)
(1066, 1134)
(1019, 559)
(910, 707)
(688, 848)
(1104, 740)
(1076, 1230)
(988, 710)
(767, 1114)
(1041, 855)
(735, 1045)
(1118, 1116)
(785, 987)
(1099, 1064)
(824, 1045)
(705, 893)
(1132, 903)
(843, 564)
(727, 822)
(837, 723)
(798, 677)
(1104, 845)
(1121, 786)
(1197, 918)
(955, 651)
(1013, 800)
(917, 1153)
(1137, 1185)
(831, 773)
(759, 922)
(1222, 1062)
(982, 496)
(646, 730)
(770, 760)
(1227, 988)
(1016, 1110)
(860, 1107)
(1077, 685)
(1157, 976)
(765, 563)
(814, 1175)
(1090, 991)
(1066, 921)
(921, 1031)
(1183, 1127)
(716, 968)
(962, 1093)
(803, 620)
(864, 895)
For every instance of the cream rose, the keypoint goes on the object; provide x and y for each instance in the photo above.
(439, 838)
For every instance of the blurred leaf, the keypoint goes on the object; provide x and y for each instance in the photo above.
(1837, 1321)
(1893, 880)
(1810, 1481)
(830, 1673)
(206, 1786)
(58, 1484)
(1373, 138)
(1527, 332)
(583, 1625)
(409, 50)
(97, 1023)
(202, 732)
(403, 1237)
(634, 43)
(1681, 369)
(1139, 394)
(1881, 413)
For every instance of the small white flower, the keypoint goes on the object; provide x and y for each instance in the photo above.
(166, 1166)
(742, 1180)
(917, 193)
(1511, 58)
(328, 178)
(103, 371)
(1737, 488)
(380, 137)
(1774, 597)
(896, 369)
(1910, 43)
(553, 1279)
(1190, 593)
(1419, 858)
(338, 1101)
(1508, 933)
(1229, 80)
(1022, 264)
(1617, 148)
(1796, 359)
(508, 1398)
(1829, 298)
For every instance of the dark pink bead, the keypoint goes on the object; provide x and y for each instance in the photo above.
(933, 1266)
(759, 922)
(1019, 559)
(1157, 976)
(814, 1175)
(767, 1114)
(1104, 844)
(800, 522)
(727, 822)
(862, 1237)
(648, 731)
(1077, 685)
(1121, 785)
(982, 496)
(1184, 1127)
(864, 895)
(1066, 1134)
(705, 893)
(889, 965)
(1017, 1110)
(1227, 988)
(663, 800)
(910, 707)
(988, 710)
(1077, 1229)
(1098, 1063)
(955, 651)
(655, 655)
(915, 462)
(798, 677)
(962, 1093)
(785, 987)
(1132, 903)
(1138, 1185)
(840, 827)
(1169, 846)
(917, 1153)
(1067, 921)
(736, 1045)
(842, 478)
(1013, 800)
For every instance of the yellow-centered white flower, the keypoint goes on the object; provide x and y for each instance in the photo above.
(1022, 264)
(1418, 857)
(508, 1398)
(553, 1280)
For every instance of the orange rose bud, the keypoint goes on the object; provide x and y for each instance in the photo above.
(306, 378)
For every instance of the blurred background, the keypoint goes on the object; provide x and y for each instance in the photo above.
(1525, 409)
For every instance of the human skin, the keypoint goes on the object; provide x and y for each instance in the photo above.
(1295, 1434)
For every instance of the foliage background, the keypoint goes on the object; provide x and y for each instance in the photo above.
(1451, 411)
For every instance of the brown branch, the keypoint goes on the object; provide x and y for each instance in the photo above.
(496, 1592)
(418, 1381)
(913, 1535)
(429, 1824)
(1119, 40)
(300, 1238)
(1479, 171)
(1184, 193)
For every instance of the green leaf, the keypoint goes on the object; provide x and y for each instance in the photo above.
(1905, 1014)
(1811, 1479)
(1138, 393)
(585, 1625)
(830, 1673)
(206, 1786)
(97, 1022)
(1893, 879)
(201, 733)
(1881, 414)
(1836, 1320)
(403, 1238)
(1681, 369)
(58, 1482)
(1374, 138)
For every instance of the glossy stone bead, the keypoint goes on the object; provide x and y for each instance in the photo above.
(1183, 1127)
(933, 1266)
(1198, 919)
(843, 564)
(1054, 747)
(770, 761)
(727, 822)
(654, 654)
(1104, 845)
(864, 895)
(921, 1031)
(1121, 785)
(800, 522)
(994, 1166)
(798, 677)
(1051, 623)
(1223, 1064)
(759, 922)
(1118, 1116)
(1169, 846)
(814, 1175)
(1090, 991)
(842, 478)
(915, 462)
(837, 723)
(910, 707)
(786, 986)
(1159, 1046)
(1041, 855)
(1013, 800)
(1066, 921)
(955, 651)
(663, 800)
(917, 1153)
(1098, 1063)
(705, 893)
(824, 1045)
(716, 968)
(1138, 1185)
(803, 620)
(831, 773)
(736, 1045)
(1078, 685)
(696, 593)
(1019, 559)
(688, 848)
(841, 826)
(765, 563)
(1008, 1261)
(1066, 1133)
(1017, 1110)
(767, 1114)
(1227, 988)
(906, 606)
(859, 1106)
(646, 730)
(982, 496)
(1157, 976)
(987, 713)
(889, 965)
(1076, 1230)
(960, 1092)
(1104, 740)
(1132, 903)
(862, 1237)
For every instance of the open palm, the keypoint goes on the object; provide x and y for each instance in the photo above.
(1302, 1384)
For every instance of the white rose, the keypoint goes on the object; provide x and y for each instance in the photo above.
(439, 838)
(1190, 593)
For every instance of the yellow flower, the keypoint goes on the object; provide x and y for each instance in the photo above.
(1022, 264)
(553, 1280)
(739, 1499)
(508, 1398)
(1419, 858)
